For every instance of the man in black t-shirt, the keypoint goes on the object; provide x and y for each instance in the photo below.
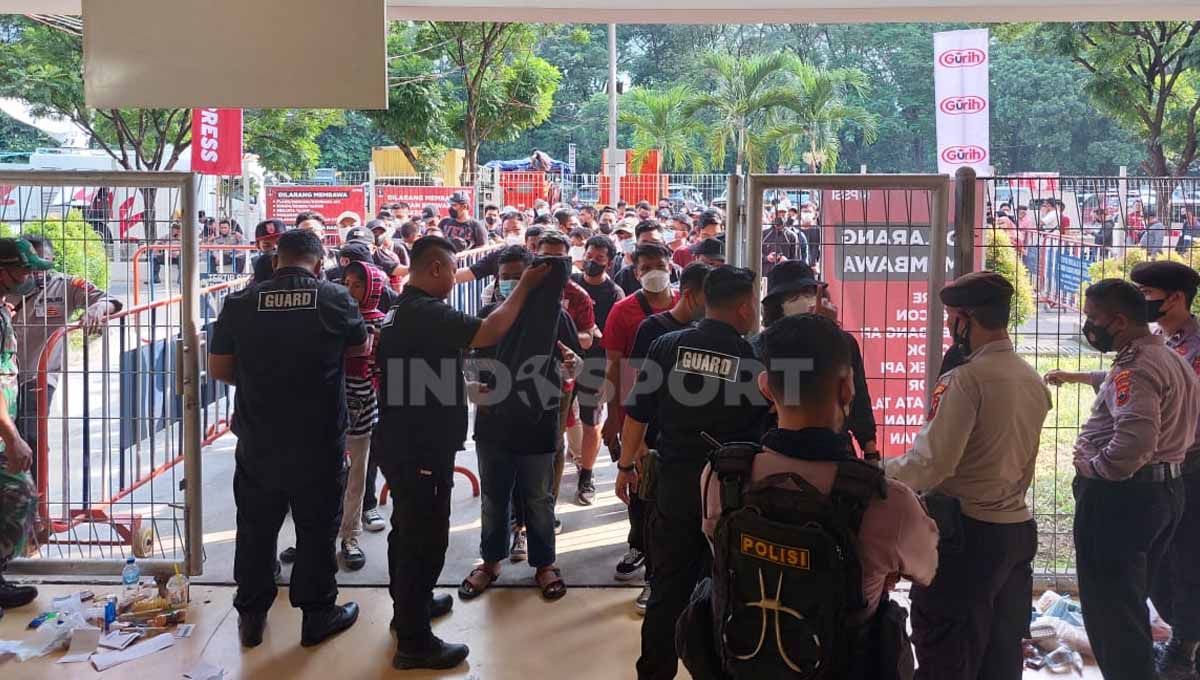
(459, 225)
(645, 232)
(598, 254)
(422, 429)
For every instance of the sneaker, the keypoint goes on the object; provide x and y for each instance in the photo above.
(642, 598)
(519, 552)
(585, 493)
(630, 564)
(557, 526)
(353, 555)
(373, 521)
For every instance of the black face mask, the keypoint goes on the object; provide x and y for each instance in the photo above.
(593, 268)
(490, 219)
(606, 228)
(1099, 337)
(778, 222)
(1155, 309)
(961, 335)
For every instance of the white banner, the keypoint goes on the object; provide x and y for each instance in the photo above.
(960, 90)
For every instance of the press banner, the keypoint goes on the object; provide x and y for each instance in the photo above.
(960, 84)
(217, 141)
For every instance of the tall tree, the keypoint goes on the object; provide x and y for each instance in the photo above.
(1146, 75)
(348, 146)
(810, 129)
(744, 92)
(17, 136)
(660, 121)
(505, 87)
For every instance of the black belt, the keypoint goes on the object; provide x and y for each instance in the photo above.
(1158, 472)
(1191, 465)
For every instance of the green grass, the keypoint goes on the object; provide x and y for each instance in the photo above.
(1050, 495)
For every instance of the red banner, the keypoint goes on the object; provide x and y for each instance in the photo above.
(217, 141)
(418, 197)
(875, 256)
(285, 202)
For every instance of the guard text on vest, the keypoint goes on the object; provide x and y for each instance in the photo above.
(286, 300)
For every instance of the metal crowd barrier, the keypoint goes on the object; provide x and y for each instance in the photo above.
(467, 297)
(212, 270)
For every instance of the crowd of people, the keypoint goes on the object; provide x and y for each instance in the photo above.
(767, 528)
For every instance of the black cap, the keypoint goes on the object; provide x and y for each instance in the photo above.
(459, 197)
(376, 225)
(977, 289)
(709, 217)
(268, 229)
(643, 205)
(359, 234)
(710, 247)
(356, 251)
(789, 276)
(682, 217)
(428, 212)
(1166, 275)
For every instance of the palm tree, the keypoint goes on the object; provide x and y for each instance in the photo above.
(659, 122)
(810, 130)
(745, 90)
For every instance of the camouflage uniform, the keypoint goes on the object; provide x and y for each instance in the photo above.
(18, 497)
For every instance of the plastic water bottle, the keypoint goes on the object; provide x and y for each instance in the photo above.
(131, 576)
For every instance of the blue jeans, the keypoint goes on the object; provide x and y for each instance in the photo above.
(499, 469)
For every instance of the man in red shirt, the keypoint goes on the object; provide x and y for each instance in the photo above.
(652, 267)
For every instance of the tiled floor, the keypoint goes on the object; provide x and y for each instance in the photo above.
(591, 634)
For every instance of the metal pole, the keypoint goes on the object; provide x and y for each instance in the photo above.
(189, 346)
(964, 221)
(613, 175)
(735, 226)
(937, 280)
(754, 228)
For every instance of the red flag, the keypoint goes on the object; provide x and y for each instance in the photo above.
(217, 141)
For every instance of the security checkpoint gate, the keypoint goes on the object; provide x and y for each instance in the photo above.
(114, 414)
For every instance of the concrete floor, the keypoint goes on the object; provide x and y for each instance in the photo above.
(591, 634)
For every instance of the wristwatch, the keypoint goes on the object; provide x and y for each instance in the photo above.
(629, 468)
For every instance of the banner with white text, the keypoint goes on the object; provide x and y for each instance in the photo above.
(217, 141)
(960, 84)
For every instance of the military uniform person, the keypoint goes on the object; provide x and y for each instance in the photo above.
(1129, 494)
(283, 344)
(693, 381)
(975, 459)
(1169, 288)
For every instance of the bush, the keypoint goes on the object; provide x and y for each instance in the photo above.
(1001, 257)
(78, 249)
(1120, 267)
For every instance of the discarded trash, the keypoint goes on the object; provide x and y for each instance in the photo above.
(1064, 659)
(119, 639)
(205, 671)
(83, 644)
(106, 660)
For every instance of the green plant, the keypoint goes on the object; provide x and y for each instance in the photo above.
(1119, 268)
(1001, 257)
(78, 249)
(659, 122)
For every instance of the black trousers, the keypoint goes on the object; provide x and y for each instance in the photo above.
(1175, 590)
(968, 624)
(1122, 532)
(680, 558)
(263, 496)
(27, 417)
(421, 488)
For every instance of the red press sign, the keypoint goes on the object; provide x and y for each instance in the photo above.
(217, 141)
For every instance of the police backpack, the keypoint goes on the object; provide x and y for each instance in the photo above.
(786, 573)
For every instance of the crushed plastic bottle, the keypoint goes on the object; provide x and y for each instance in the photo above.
(131, 577)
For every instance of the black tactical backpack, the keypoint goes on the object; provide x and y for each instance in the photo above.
(786, 571)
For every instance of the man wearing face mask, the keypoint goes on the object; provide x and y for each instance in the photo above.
(459, 224)
(1129, 486)
(781, 243)
(512, 227)
(811, 231)
(291, 429)
(974, 460)
(42, 305)
(793, 289)
(646, 233)
(491, 219)
(714, 360)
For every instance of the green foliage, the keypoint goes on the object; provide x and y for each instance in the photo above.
(1001, 257)
(1119, 267)
(348, 146)
(659, 121)
(810, 130)
(16, 136)
(78, 249)
(286, 139)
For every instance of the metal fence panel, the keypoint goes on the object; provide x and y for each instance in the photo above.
(113, 421)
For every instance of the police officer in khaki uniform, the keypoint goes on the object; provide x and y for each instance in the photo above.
(974, 459)
(1129, 493)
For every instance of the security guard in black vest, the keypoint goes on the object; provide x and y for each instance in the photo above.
(694, 382)
(422, 425)
(283, 344)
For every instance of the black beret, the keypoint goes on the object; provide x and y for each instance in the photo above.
(1166, 275)
(977, 289)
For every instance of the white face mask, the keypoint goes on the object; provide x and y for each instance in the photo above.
(668, 236)
(627, 246)
(656, 281)
(576, 253)
(514, 240)
(802, 304)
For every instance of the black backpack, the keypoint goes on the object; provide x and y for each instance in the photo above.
(786, 572)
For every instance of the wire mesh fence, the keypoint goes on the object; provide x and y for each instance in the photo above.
(98, 349)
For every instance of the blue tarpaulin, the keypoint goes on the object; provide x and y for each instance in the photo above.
(538, 161)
